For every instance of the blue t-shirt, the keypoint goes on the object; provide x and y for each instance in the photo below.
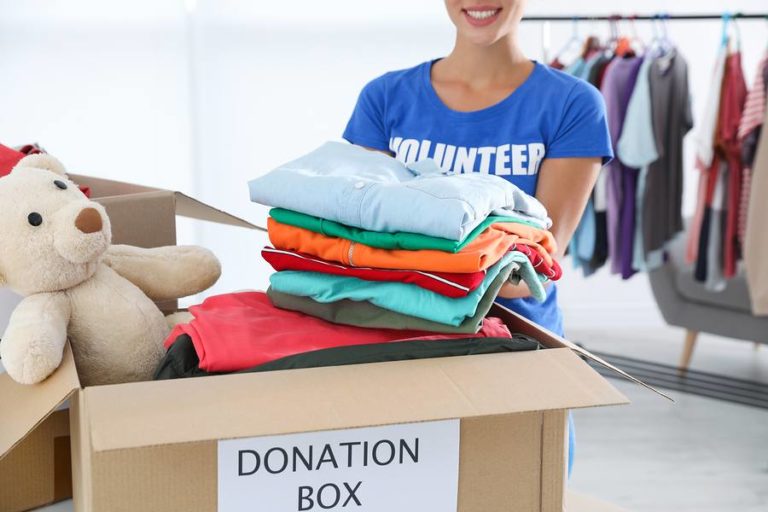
(550, 115)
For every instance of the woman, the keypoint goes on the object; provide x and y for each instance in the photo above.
(487, 108)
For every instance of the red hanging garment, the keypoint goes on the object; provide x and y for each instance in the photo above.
(734, 97)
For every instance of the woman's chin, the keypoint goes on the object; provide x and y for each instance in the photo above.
(481, 37)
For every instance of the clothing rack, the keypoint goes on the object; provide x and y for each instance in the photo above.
(653, 17)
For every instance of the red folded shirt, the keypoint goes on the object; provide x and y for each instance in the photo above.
(540, 265)
(444, 283)
(236, 331)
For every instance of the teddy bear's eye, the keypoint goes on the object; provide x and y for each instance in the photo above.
(35, 218)
(60, 184)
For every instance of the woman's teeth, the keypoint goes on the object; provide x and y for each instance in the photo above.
(482, 15)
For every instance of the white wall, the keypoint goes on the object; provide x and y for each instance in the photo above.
(201, 96)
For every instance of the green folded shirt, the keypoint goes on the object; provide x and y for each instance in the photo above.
(399, 240)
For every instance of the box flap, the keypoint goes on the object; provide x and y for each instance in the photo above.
(189, 207)
(231, 406)
(186, 206)
(552, 340)
(101, 187)
(23, 408)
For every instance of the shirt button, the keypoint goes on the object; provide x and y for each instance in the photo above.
(359, 185)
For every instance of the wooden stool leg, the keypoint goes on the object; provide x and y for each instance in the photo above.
(690, 343)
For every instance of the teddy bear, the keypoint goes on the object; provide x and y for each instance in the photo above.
(56, 252)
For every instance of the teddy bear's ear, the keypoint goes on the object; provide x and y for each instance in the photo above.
(40, 161)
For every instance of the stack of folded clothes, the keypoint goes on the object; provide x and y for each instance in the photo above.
(362, 239)
(369, 251)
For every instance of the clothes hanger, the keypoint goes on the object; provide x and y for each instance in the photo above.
(729, 21)
(635, 37)
(724, 36)
(668, 45)
(571, 41)
(657, 44)
(613, 35)
(661, 42)
(736, 31)
(622, 46)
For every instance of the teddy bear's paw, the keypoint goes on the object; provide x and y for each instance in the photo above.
(180, 317)
(29, 366)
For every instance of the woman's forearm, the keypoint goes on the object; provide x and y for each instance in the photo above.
(564, 188)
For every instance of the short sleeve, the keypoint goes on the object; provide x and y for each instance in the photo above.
(583, 129)
(367, 125)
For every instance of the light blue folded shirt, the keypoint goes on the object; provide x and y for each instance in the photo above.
(407, 299)
(369, 190)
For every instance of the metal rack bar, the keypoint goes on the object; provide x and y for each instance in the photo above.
(650, 17)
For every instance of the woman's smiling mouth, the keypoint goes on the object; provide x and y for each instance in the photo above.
(481, 16)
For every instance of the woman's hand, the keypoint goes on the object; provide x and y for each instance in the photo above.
(514, 291)
(564, 187)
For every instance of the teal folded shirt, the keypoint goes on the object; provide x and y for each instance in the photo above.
(402, 298)
(399, 240)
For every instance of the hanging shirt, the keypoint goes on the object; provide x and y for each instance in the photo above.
(705, 141)
(576, 68)
(705, 136)
(550, 115)
(754, 111)
(582, 246)
(637, 148)
(732, 107)
(663, 195)
(749, 135)
(714, 278)
(599, 194)
(618, 84)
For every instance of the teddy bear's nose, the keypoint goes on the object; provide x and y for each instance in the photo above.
(88, 221)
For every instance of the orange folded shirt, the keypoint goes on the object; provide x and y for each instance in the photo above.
(481, 253)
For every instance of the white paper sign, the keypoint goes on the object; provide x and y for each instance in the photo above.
(405, 468)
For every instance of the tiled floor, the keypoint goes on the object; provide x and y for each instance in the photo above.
(696, 455)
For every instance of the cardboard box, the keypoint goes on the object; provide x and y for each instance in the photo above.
(35, 469)
(486, 433)
(38, 470)
(160, 446)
